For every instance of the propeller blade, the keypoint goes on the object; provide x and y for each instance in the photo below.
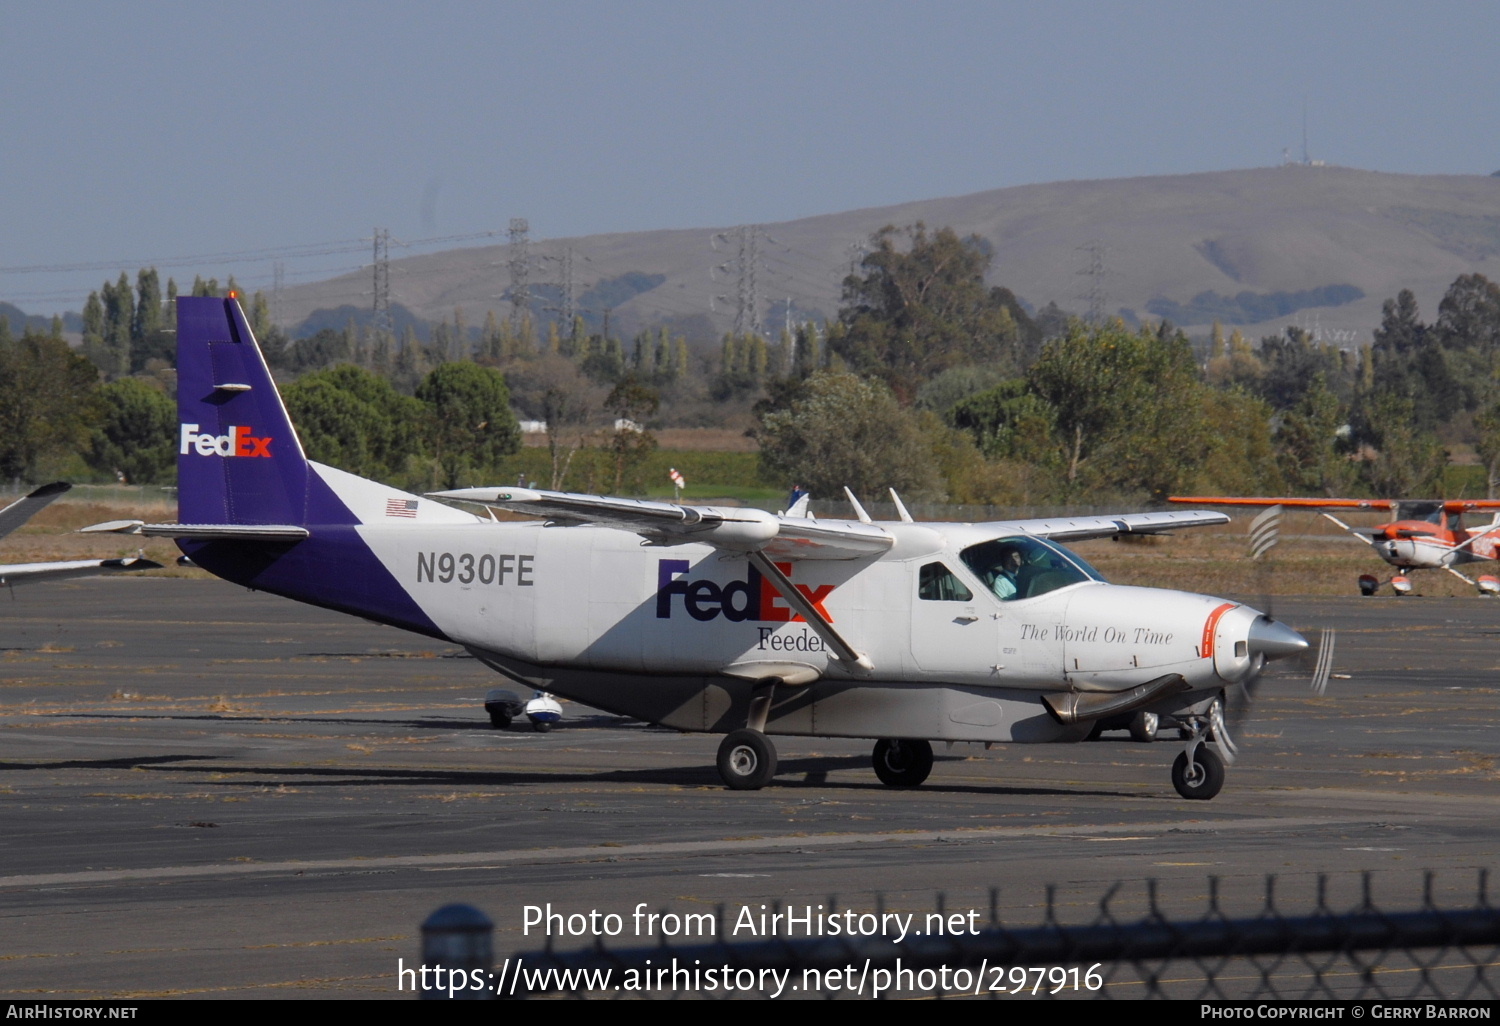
(1324, 665)
(1265, 532)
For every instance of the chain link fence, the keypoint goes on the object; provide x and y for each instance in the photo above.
(1148, 940)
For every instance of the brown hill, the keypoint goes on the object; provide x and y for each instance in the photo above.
(1162, 241)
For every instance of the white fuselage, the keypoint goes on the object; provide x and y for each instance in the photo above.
(593, 598)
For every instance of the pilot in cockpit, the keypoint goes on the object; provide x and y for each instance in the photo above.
(1003, 577)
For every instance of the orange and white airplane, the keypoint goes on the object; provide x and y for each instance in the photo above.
(1426, 534)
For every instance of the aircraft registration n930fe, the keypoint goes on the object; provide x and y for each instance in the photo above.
(702, 618)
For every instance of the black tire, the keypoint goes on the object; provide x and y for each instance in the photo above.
(500, 721)
(1095, 731)
(747, 760)
(1143, 726)
(902, 763)
(1206, 779)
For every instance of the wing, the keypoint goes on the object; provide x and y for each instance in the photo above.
(1226, 500)
(668, 523)
(17, 573)
(1078, 528)
(1449, 505)
(23, 509)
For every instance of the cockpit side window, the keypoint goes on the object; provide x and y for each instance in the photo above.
(937, 583)
(1023, 568)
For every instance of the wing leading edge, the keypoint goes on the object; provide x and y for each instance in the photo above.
(1080, 528)
(668, 523)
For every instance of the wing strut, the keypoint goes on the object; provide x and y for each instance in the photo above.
(1368, 541)
(854, 661)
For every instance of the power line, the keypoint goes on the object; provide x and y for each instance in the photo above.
(309, 249)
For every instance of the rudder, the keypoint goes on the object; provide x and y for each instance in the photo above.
(238, 458)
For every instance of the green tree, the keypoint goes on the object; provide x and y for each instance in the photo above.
(471, 425)
(1102, 407)
(841, 430)
(136, 436)
(151, 337)
(119, 320)
(1487, 445)
(630, 443)
(1409, 362)
(1468, 330)
(1128, 407)
(349, 418)
(47, 407)
(1408, 460)
(1291, 362)
(917, 310)
(1240, 458)
(1313, 445)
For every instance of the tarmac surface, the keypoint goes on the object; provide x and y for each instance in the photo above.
(206, 792)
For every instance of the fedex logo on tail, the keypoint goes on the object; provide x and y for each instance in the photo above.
(738, 601)
(239, 442)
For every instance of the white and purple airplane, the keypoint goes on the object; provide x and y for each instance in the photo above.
(720, 619)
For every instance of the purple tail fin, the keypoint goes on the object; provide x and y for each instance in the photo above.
(238, 458)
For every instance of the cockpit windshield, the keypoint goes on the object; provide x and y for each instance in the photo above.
(1022, 568)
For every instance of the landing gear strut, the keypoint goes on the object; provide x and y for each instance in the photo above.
(1198, 772)
(747, 758)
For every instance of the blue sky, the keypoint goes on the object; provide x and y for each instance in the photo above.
(148, 131)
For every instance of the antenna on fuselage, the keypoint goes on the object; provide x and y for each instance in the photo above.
(901, 508)
(859, 511)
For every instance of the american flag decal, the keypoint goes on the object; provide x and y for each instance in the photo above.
(401, 507)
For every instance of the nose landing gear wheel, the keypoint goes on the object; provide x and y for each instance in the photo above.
(1202, 778)
(747, 760)
(902, 763)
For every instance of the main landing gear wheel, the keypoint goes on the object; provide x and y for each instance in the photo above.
(902, 763)
(1202, 778)
(1143, 726)
(747, 760)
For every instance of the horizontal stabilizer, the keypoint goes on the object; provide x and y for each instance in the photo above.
(202, 532)
(27, 572)
(227, 532)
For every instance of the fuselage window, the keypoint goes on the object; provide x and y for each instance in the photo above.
(937, 584)
(1022, 568)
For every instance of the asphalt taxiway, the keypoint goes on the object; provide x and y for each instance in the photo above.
(209, 792)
